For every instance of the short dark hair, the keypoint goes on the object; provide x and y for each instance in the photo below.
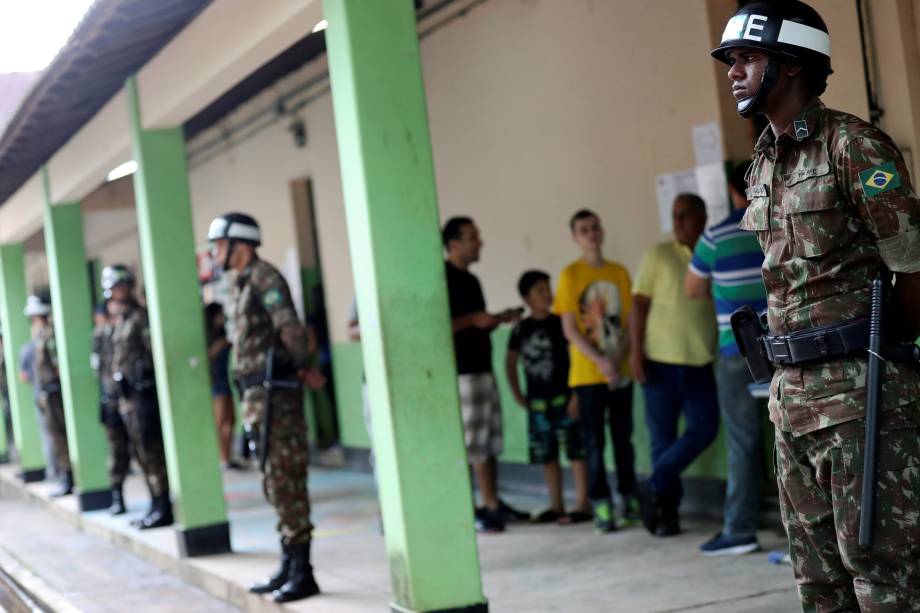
(696, 203)
(529, 279)
(453, 229)
(579, 215)
(738, 177)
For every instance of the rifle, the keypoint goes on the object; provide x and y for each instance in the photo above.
(269, 383)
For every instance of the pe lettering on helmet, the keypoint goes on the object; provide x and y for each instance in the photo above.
(880, 179)
(801, 129)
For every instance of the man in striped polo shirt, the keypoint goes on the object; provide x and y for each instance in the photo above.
(726, 267)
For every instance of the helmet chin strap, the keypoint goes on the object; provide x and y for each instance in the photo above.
(231, 246)
(748, 107)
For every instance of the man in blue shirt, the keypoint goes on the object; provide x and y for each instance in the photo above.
(726, 267)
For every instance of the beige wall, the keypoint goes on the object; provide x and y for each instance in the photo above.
(537, 108)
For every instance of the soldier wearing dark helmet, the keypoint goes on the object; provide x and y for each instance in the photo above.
(134, 380)
(833, 208)
(270, 356)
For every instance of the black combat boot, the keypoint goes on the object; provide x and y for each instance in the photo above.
(279, 578)
(300, 583)
(161, 516)
(66, 486)
(139, 521)
(118, 501)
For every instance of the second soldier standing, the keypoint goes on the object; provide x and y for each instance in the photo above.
(269, 365)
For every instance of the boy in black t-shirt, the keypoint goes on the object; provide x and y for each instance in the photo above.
(552, 412)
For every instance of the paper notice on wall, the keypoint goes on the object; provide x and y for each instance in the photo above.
(713, 188)
(667, 187)
(707, 144)
(291, 272)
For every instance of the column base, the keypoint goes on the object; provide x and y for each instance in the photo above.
(204, 540)
(482, 607)
(94, 500)
(33, 475)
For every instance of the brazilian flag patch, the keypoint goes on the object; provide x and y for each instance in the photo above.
(880, 179)
(272, 298)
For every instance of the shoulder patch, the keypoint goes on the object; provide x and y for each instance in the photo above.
(880, 179)
(272, 298)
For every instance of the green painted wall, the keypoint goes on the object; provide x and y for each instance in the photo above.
(346, 360)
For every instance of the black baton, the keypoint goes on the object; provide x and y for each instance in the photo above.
(268, 384)
(873, 387)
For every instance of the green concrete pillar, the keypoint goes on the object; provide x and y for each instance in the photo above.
(16, 333)
(71, 301)
(164, 221)
(392, 214)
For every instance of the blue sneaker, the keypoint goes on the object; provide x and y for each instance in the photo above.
(721, 545)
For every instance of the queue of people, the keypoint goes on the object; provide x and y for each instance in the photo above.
(582, 350)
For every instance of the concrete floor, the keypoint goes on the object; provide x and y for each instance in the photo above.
(528, 569)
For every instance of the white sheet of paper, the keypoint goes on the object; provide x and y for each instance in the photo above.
(667, 186)
(707, 144)
(713, 188)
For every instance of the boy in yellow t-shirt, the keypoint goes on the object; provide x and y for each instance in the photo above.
(594, 300)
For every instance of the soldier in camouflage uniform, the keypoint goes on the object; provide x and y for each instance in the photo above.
(5, 397)
(266, 323)
(48, 385)
(832, 205)
(109, 415)
(133, 376)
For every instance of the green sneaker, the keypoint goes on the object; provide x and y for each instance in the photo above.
(604, 522)
(631, 514)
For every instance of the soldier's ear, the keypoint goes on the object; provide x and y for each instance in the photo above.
(793, 70)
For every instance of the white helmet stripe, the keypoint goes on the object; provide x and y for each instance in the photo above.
(244, 232)
(800, 35)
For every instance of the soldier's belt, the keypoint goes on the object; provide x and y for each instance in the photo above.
(818, 344)
(258, 380)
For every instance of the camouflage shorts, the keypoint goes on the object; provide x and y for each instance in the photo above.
(820, 484)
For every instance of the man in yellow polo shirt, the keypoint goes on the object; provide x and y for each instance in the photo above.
(673, 341)
(593, 299)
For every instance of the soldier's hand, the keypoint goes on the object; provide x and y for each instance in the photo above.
(312, 378)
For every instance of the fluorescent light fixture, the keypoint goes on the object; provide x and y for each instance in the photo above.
(320, 26)
(122, 170)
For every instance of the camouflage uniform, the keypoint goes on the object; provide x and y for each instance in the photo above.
(133, 358)
(48, 384)
(117, 434)
(832, 204)
(264, 317)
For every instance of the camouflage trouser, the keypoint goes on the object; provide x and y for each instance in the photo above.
(52, 406)
(285, 479)
(147, 444)
(119, 449)
(820, 483)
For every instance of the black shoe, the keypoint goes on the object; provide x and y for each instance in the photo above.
(668, 526)
(118, 502)
(649, 507)
(161, 515)
(280, 577)
(509, 514)
(489, 522)
(66, 486)
(300, 583)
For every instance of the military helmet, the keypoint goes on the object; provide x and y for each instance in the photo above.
(37, 306)
(235, 227)
(114, 275)
(788, 31)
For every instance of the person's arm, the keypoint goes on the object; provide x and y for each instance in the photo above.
(637, 322)
(606, 365)
(907, 297)
(479, 319)
(696, 287)
(511, 369)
